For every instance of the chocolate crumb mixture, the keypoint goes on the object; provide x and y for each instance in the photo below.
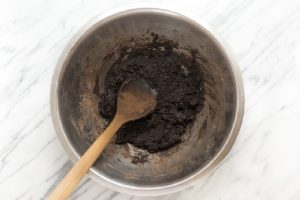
(177, 79)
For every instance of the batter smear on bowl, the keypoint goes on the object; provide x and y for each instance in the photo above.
(177, 79)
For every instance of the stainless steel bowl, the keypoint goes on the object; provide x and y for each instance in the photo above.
(74, 105)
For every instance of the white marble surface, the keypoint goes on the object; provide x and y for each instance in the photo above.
(265, 38)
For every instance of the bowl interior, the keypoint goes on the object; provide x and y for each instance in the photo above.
(96, 51)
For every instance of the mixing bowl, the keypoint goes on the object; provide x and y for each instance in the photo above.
(81, 71)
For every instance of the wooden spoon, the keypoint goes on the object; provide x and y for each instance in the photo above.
(135, 100)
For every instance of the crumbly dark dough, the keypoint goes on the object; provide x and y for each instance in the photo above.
(177, 79)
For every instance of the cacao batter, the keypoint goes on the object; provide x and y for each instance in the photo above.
(177, 80)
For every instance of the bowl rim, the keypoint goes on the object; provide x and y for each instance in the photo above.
(134, 189)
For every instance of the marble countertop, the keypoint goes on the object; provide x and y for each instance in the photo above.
(264, 36)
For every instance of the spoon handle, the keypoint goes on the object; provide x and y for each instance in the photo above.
(71, 180)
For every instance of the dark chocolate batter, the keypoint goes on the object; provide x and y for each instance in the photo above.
(177, 80)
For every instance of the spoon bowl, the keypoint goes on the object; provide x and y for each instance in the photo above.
(136, 99)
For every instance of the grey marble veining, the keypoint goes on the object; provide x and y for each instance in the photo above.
(264, 35)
